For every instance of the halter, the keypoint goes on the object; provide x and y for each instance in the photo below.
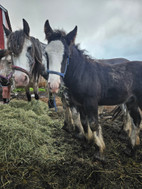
(21, 69)
(7, 78)
(59, 73)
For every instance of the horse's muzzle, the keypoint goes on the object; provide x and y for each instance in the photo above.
(21, 80)
(54, 88)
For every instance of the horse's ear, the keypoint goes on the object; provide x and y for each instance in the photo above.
(70, 37)
(3, 52)
(26, 27)
(7, 31)
(47, 29)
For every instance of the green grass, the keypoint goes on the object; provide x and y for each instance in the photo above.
(31, 90)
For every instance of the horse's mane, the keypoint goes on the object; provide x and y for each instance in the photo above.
(37, 47)
(57, 34)
(38, 56)
(84, 54)
(16, 41)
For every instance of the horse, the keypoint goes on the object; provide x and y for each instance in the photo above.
(72, 116)
(91, 84)
(28, 57)
(6, 75)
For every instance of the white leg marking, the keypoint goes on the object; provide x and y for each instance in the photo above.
(128, 123)
(77, 121)
(98, 139)
(135, 140)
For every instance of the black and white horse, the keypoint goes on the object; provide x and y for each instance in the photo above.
(91, 83)
(29, 59)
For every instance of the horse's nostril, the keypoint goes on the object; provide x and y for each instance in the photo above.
(26, 78)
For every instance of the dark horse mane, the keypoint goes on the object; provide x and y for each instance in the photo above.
(57, 34)
(15, 44)
(16, 41)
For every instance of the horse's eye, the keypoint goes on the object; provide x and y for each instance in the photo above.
(29, 48)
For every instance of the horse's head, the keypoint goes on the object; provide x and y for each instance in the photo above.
(23, 54)
(5, 67)
(58, 52)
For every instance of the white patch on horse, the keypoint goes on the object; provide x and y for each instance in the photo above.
(134, 137)
(55, 51)
(22, 60)
(98, 138)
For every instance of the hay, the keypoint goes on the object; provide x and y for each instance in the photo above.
(25, 134)
(36, 153)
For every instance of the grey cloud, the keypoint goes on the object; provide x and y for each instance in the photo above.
(106, 29)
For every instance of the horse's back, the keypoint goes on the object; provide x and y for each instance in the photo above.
(113, 60)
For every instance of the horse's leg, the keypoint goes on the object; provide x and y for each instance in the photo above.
(92, 112)
(77, 123)
(72, 117)
(28, 94)
(72, 120)
(35, 87)
(68, 121)
(50, 100)
(127, 122)
(85, 124)
(97, 133)
(136, 119)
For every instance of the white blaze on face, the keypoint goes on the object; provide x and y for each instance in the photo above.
(22, 61)
(55, 51)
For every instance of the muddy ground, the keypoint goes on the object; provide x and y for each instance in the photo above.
(51, 157)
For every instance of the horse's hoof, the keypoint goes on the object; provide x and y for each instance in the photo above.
(129, 151)
(99, 157)
(123, 135)
(80, 136)
(65, 127)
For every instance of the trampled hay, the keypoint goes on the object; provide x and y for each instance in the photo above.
(35, 152)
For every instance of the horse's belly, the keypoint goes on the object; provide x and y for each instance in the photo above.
(113, 99)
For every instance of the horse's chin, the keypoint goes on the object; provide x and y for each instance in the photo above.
(54, 87)
(54, 90)
(21, 84)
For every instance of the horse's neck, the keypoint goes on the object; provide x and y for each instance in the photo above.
(77, 64)
(44, 57)
(77, 59)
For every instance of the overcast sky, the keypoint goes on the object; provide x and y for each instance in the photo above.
(106, 28)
